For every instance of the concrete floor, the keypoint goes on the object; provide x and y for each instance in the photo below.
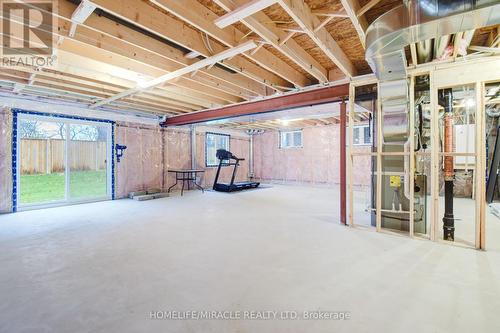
(104, 267)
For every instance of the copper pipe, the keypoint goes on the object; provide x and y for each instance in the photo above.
(448, 146)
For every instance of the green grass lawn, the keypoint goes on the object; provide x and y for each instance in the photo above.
(41, 188)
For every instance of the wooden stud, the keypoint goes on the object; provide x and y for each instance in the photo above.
(349, 171)
(378, 204)
(412, 156)
(435, 166)
(479, 171)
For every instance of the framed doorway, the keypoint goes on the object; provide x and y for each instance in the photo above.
(59, 160)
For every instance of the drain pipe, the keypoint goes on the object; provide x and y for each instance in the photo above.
(446, 100)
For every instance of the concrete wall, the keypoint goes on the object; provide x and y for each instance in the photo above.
(317, 162)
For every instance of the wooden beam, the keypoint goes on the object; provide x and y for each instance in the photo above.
(116, 60)
(260, 24)
(367, 7)
(92, 90)
(326, 12)
(241, 12)
(119, 48)
(323, 23)
(147, 17)
(81, 13)
(104, 33)
(310, 97)
(359, 23)
(301, 13)
(202, 18)
(180, 72)
(485, 49)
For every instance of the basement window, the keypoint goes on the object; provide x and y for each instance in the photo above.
(291, 139)
(213, 142)
(362, 135)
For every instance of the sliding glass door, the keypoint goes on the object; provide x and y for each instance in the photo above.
(62, 161)
(88, 153)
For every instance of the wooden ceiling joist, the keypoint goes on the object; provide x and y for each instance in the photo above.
(301, 13)
(367, 7)
(136, 39)
(360, 24)
(194, 13)
(86, 70)
(92, 92)
(98, 40)
(243, 11)
(279, 39)
(153, 20)
(180, 72)
(326, 12)
(80, 14)
(117, 45)
(114, 59)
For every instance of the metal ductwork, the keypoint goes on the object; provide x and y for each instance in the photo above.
(416, 22)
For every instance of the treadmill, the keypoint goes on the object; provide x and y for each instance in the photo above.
(224, 155)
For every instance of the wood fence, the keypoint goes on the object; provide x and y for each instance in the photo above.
(47, 155)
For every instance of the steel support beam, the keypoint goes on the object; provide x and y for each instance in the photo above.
(310, 97)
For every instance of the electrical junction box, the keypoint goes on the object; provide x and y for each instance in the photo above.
(395, 181)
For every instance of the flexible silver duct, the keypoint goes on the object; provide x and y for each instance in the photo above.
(416, 22)
(424, 51)
(419, 21)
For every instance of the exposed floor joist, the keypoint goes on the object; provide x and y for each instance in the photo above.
(302, 14)
(359, 22)
(261, 24)
(194, 13)
(247, 9)
(148, 18)
(180, 72)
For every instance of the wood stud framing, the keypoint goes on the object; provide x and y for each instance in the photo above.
(439, 78)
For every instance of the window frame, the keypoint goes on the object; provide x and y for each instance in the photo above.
(293, 138)
(207, 165)
(362, 128)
